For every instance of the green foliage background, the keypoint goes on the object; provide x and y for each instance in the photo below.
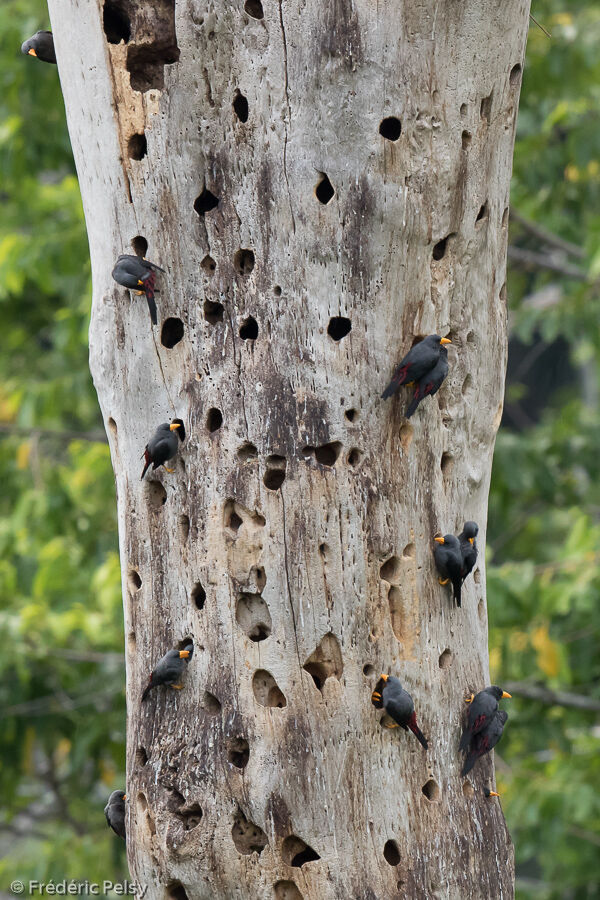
(61, 672)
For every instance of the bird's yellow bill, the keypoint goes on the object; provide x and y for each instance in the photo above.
(31, 52)
(471, 540)
(183, 654)
(505, 694)
(124, 796)
(494, 794)
(384, 677)
(445, 341)
(440, 540)
(174, 425)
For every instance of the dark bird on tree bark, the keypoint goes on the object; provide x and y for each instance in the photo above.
(482, 709)
(468, 547)
(449, 563)
(489, 793)
(485, 740)
(418, 362)
(115, 813)
(139, 275)
(398, 704)
(163, 445)
(40, 45)
(430, 383)
(169, 669)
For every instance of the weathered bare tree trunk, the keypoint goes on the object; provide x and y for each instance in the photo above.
(293, 542)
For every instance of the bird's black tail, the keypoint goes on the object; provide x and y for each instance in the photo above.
(149, 291)
(147, 690)
(419, 735)
(469, 763)
(456, 586)
(464, 741)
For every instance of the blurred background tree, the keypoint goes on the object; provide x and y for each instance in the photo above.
(62, 675)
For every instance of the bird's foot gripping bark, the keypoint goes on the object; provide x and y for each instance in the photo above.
(470, 699)
(170, 471)
(391, 725)
(443, 581)
(177, 687)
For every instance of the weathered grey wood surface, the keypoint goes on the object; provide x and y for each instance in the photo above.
(300, 566)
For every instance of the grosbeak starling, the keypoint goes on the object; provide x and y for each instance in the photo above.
(169, 669)
(163, 445)
(468, 547)
(448, 560)
(430, 383)
(115, 812)
(40, 45)
(485, 740)
(482, 709)
(419, 362)
(398, 704)
(138, 274)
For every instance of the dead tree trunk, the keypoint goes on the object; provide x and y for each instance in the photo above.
(323, 182)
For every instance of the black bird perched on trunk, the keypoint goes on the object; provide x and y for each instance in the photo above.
(138, 274)
(489, 793)
(40, 45)
(483, 707)
(485, 740)
(163, 445)
(169, 669)
(448, 560)
(468, 547)
(420, 360)
(115, 812)
(398, 704)
(430, 383)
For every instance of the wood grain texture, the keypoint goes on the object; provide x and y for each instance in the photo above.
(333, 571)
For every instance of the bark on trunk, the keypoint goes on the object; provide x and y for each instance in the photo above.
(293, 542)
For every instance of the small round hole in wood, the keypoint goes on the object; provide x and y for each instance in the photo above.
(205, 202)
(156, 494)
(391, 854)
(243, 262)
(137, 146)
(171, 333)
(213, 312)
(238, 752)
(134, 581)
(431, 790)
(390, 128)
(324, 191)
(446, 659)
(240, 107)
(249, 329)
(254, 9)
(209, 266)
(214, 419)
(339, 327)
(246, 452)
(198, 596)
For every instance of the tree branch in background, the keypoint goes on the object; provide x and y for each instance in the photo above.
(551, 698)
(541, 27)
(529, 259)
(547, 237)
(97, 437)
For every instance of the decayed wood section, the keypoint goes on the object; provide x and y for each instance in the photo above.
(256, 150)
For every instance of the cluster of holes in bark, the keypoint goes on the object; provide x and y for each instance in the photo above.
(189, 813)
(266, 690)
(249, 329)
(254, 9)
(253, 616)
(137, 146)
(117, 26)
(390, 128)
(446, 659)
(156, 494)
(176, 891)
(325, 455)
(134, 580)
(243, 262)
(296, 852)
(247, 836)
(391, 854)
(439, 249)
(208, 265)
(483, 212)
(324, 191)
(247, 451)
(198, 595)
(214, 419)
(275, 473)
(339, 327)
(140, 245)
(286, 890)
(240, 107)
(325, 661)
(431, 790)
(171, 332)
(205, 201)
(213, 312)
(211, 704)
(183, 527)
(141, 756)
